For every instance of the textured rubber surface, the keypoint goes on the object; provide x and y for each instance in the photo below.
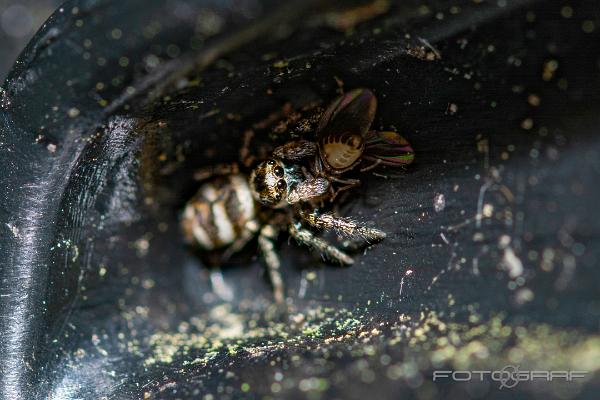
(492, 249)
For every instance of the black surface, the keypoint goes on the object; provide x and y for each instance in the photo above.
(101, 298)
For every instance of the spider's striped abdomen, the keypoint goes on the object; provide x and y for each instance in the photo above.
(219, 212)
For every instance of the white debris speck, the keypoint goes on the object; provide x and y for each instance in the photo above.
(51, 148)
(439, 202)
(73, 112)
(504, 241)
(488, 210)
(406, 275)
(142, 245)
(510, 261)
(523, 295)
(4, 100)
(13, 229)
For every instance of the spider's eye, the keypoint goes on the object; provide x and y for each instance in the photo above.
(281, 184)
(278, 172)
(278, 197)
(271, 162)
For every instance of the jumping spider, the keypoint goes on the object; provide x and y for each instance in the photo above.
(284, 192)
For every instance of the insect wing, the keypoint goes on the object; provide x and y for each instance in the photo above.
(343, 128)
(353, 112)
(388, 148)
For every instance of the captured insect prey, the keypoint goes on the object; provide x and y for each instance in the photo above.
(294, 189)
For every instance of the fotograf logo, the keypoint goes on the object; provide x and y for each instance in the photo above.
(509, 376)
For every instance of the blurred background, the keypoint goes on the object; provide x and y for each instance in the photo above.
(19, 20)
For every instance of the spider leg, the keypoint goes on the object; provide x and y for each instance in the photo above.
(348, 184)
(246, 156)
(250, 229)
(306, 173)
(317, 165)
(372, 166)
(296, 150)
(340, 190)
(308, 189)
(353, 182)
(205, 173)
(267, 235)
(343, 226)
(307, 238)
(219, 286)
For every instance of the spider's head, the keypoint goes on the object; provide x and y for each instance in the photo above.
(269, 182)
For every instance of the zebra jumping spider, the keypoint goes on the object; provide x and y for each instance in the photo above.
(283, 193)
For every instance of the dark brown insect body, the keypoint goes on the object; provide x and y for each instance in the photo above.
(343, 129)
(344, 140)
